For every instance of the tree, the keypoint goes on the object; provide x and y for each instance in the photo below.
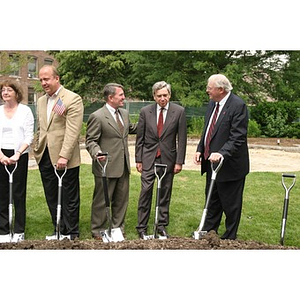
(86, 72)
(255, 75)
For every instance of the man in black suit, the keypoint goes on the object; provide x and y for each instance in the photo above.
(228, 139)
(165, 147)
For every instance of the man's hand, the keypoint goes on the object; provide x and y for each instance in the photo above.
(61, 163)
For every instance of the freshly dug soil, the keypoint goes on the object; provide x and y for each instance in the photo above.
(211, 241)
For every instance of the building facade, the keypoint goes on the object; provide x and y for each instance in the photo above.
(24, 66)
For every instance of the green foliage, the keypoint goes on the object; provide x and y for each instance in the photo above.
(86, 72)
(275, 118)
(253, 129)
(195, 126)
(294, 131)
(255, 75)
(276, 125)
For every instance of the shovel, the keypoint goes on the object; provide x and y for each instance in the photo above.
(159, 180)
(286, 203)
(58, 212)
(199, 233)
(111, 234)
(10, 204)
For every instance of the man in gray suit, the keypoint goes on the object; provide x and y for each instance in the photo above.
(104, 135)
(167, 147)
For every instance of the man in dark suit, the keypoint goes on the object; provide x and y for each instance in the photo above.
(167, 147)
(105, 134)
(228, 139)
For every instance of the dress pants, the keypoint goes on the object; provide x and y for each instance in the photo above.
(226, 197)
(118, 194)
(70, 201)
(145, 201)
(19, 194)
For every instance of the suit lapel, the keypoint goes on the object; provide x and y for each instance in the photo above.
(60, 95)
(222, 114)
(43, 111)
(153, 118)
(169, 118)
(110, 120)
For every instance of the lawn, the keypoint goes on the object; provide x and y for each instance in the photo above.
(260, 220)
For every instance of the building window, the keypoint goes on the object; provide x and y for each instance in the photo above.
(48, 61)
(31, 96)
(14, 65)
(32, 67)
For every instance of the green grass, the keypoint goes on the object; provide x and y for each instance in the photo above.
(260, 220)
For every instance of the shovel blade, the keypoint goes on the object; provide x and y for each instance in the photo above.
(199, 234)
(152, 237)
(115, 236)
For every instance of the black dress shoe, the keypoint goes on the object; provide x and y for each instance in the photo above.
(163, 232)
(142, 235)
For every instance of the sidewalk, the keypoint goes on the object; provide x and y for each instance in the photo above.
(263, 158)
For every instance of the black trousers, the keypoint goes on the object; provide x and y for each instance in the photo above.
(226, 197)
(70, 202)
(145, 201)
(19, 194)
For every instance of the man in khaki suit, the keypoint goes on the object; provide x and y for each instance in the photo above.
(59, 122)
(104, 135)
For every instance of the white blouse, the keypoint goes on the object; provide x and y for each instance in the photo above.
(18, 130)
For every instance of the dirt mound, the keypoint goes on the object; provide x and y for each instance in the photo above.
(211, 241)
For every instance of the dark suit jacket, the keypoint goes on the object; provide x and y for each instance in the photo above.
(174, 131)
(103, 134)
(229, 139)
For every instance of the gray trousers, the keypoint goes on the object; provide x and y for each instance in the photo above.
(118, 193)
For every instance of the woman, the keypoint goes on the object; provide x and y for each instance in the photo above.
(16, 134)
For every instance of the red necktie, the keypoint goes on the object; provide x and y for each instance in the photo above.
(160, 125)
(210, 131)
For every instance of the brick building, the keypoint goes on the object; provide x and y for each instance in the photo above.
(23, 66)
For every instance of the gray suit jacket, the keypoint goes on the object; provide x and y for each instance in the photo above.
(103, 135)
(172, 142)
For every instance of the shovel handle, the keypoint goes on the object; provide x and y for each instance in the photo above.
(10, 174)
(103, 167)
(162, 166)
(216, 169)
(60, 178)
(287, 189)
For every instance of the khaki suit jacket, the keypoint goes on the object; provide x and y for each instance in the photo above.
(61, 133)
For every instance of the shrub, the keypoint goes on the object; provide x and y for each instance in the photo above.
(253, 129)
(275, 118)
(195, 126)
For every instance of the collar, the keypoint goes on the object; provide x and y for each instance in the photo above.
(223, 101)
(158, 107)
(110, 108)
(55, 94)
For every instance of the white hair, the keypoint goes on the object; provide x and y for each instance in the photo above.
(221, 81)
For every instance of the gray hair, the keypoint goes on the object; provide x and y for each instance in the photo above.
(110, 89)
(220, 81)
(160, 85)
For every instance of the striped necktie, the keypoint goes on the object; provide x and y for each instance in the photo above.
(121, 127)
(210, 131)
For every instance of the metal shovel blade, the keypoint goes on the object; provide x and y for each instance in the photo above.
(115, 235)
(199, 234)
(152, 237)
